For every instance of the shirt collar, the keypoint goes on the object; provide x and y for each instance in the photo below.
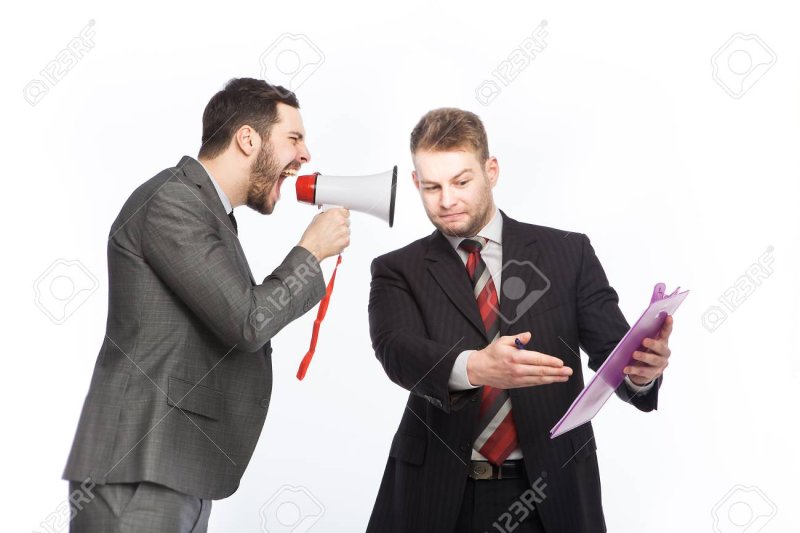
(492, 231)
(222, 196)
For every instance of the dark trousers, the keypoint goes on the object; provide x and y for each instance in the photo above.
(137, 508)
(499, 506)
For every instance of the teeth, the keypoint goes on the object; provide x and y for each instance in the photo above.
(289, 172)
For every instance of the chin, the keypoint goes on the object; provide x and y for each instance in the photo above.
(269, 205)
(266, 208)
(453, 231)
(457, 230)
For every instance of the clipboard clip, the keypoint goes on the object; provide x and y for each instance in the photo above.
(659, 290)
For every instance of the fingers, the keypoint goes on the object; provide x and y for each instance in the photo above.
(647, 365)
(534, 368)
(657, 346)
(522, 370)
(524, 337)
(515, 368)
(341, 212)
(651, 359)
(528, 358)
(548, 372)
(666, 329)
(532, 381)
(648, 372)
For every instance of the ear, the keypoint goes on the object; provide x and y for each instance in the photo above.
(415, 179)
(492, 170)
(247, 140)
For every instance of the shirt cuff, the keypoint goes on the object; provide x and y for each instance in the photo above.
(458, 376)
(638, 388)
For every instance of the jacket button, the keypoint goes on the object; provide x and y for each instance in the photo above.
(464, 447)
(265, 403)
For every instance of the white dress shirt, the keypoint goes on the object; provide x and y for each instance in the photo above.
(222, 196)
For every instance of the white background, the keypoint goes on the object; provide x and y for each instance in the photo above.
(616, 129)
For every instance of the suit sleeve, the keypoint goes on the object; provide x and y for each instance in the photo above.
(601, 324)
(185, 250)
(402, 345)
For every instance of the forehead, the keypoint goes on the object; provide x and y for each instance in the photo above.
(442, 166)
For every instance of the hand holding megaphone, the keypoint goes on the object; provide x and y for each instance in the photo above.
(328, 234)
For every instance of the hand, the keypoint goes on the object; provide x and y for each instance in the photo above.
(650, 365)
(328, 234)
(504, 366)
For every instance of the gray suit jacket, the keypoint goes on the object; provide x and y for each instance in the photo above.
(182, 383)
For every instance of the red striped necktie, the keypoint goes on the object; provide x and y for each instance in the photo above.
(497, 434)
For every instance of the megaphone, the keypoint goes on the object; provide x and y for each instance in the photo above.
(374, 194)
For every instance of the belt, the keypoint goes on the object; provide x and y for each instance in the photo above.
(486, 470)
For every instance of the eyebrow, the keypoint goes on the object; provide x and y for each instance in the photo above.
(451, 179)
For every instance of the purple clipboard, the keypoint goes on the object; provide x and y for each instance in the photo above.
(611, 374)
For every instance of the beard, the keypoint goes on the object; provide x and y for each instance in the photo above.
(475, 221)
(264, 174)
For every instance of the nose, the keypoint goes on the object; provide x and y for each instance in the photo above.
(304, 155)
(447, 198)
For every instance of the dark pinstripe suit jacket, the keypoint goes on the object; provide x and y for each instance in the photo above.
(422, 314)
(182, 383)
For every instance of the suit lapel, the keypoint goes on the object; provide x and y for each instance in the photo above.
(446, 267)
(521, 277)
(205, 190)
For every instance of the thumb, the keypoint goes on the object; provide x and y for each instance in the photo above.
(524, 337)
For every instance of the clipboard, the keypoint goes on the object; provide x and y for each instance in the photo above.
(611, 374)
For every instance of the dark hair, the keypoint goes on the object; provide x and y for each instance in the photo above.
(243, 102)
(448, 128)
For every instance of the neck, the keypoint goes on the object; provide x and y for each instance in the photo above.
(231, 177)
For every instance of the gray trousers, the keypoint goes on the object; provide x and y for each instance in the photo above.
(139, 508)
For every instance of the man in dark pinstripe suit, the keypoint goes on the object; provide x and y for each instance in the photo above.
(450, 315)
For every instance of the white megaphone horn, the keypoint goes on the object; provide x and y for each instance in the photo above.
(374, 194)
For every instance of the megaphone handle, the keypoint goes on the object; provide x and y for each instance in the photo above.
(323, 308)
(326, 207)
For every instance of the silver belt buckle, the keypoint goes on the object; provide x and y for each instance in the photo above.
(480, 470)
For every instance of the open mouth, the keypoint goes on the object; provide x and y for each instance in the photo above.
(287, 173)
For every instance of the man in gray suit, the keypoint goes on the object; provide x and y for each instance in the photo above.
(182, 383)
